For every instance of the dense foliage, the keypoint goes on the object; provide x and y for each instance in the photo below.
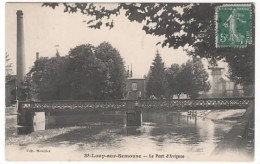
(8, 67)
(181, 24)
(193, 78)
(190, 78)
(173, 78)
(156, 78)
(87, 72)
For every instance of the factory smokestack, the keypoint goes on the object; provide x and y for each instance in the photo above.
(37, 55)
(20, 47)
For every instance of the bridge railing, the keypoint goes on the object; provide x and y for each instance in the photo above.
(197, 103)
(209, 103)
(72, 105)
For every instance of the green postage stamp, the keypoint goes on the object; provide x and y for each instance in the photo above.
(233, 25)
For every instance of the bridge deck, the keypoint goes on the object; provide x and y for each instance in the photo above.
(117, 105)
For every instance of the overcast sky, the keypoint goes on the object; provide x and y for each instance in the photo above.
(44, 28)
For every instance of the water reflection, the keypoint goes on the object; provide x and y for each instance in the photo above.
(25, 130)
(133, 131)
(160, 131)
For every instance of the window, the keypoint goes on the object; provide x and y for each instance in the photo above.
(139, 94)
(134, 86)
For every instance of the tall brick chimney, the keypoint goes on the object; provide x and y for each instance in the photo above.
(37, 55)
(20, 47)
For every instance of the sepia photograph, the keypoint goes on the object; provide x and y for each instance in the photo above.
(130, 81)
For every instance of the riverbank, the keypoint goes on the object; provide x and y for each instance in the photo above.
(161, 133)
(235, 140)
(37, 136)
(231, 114)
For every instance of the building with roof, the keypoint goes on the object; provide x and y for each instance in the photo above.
(135, 87)
(221, 86)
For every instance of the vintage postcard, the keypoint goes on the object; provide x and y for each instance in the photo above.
(130, 82)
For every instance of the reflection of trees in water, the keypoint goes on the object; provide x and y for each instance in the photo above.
(185, 135)
(87, 118)
(206, 129)
(154, 117)
(161, 130)
(93, 136)
(174, 128)
(133, 131)
(24, 130)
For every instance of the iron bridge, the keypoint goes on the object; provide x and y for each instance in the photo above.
(124, 105)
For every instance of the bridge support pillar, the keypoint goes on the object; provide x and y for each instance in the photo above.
(33, 120)
(25, 118)
(134, 117)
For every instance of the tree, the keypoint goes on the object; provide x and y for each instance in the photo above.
(156, 78)
(193, 78)
(86, 73)
(35, 77)
(25, 90)
(248, 90)
(241, 65)
(47, 78)
(116, 73)
(8, 67)
(235, 91)
(173, 80)
(99, 72)
(181, 24)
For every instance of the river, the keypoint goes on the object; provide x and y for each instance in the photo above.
(161, 133)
